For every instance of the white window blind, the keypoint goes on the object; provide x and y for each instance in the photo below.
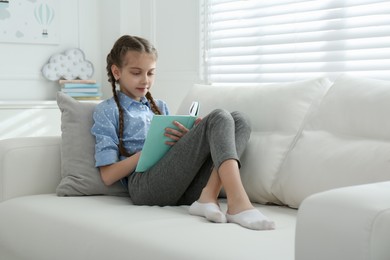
(256, 41)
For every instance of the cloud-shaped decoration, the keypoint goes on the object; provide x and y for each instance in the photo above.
(70, 64)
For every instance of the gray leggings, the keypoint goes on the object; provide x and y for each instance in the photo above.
(179, 177)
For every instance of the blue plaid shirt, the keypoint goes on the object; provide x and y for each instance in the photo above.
(137, 118)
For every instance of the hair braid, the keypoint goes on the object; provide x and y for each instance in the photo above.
(111, 79)
(122, 149)
(156, 110)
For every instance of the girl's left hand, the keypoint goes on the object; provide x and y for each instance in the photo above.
(175, 134)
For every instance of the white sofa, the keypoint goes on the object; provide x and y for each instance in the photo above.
(318, 164)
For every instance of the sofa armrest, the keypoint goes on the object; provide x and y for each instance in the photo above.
(345, 223)
(29, 165)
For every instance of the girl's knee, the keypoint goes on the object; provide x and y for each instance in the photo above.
(241, 120)
(220, 116)
(220, 113)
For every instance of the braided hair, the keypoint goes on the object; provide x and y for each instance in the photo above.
(116, 57)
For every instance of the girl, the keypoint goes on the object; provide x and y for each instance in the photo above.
(200, 162)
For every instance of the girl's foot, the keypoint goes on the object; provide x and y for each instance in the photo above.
(252, 219)
(210, 211)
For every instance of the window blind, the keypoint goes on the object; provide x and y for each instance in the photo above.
(256, 41)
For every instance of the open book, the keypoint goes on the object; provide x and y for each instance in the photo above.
(155, 147)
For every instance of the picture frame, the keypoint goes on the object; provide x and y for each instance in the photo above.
(27, 21)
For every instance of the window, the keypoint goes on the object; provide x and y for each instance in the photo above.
(258, 41)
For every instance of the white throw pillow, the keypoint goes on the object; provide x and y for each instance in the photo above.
(346, 141)
(277, 112)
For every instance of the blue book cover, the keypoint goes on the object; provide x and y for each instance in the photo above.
(80, 85)
(82, 94)
(155, 147)
(82, 90)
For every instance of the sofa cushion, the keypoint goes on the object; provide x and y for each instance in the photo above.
(277, 112)
(108, 227)
(346, 141)
(78, 171)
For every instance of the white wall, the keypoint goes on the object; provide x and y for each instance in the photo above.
(93, 26)
(20, 64)
(175, 32)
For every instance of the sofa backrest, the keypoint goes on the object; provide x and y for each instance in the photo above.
(345, 141)
(277, 113)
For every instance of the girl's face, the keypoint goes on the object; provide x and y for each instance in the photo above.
(136, 76)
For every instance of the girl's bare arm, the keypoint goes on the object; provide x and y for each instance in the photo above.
(116, 171)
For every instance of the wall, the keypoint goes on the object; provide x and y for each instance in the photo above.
(174, 29)
(172, 26)
(20, 64)
(93, 26)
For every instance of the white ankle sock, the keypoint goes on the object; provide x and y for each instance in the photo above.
(210, 211)
(252, 219)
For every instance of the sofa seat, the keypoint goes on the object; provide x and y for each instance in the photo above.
(47, 226)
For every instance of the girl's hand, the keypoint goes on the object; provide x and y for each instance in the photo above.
(197, 121)
(175, 134)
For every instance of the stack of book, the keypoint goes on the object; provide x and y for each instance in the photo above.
(81, 89)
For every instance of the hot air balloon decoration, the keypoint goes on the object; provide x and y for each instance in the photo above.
(44, 14)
